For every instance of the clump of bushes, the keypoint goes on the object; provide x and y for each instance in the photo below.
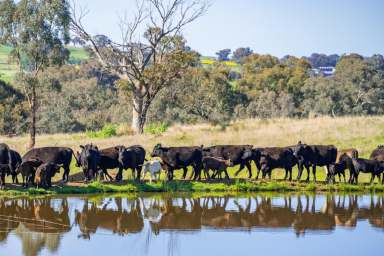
(156, 128)
(109, 130)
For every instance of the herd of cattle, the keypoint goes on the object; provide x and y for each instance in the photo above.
(39, 165)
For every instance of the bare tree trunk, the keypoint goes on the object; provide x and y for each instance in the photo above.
(32, 128)
(137, 115)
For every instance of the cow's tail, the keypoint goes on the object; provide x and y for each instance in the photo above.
(76, 159)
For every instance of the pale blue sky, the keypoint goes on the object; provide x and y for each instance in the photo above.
(278, 27)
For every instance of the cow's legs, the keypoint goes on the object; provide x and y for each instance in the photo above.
(249, 167)
(314, 172)
(240, 169)
(308, 172)
(185, 170)
(300, 171)
(290, 173)
(66, 173)
(258, 173)
(372, 178)
(226, 174)
(119, 175)
(170, 174)
(138, 173)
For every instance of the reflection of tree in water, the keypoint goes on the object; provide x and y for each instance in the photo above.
(36, 222)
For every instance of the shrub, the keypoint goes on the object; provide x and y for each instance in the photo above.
(156, 128)
(109, 130)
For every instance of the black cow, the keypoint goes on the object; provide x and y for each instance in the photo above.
(277, 157)
(218, 165)
(343, 162)
(236, 153)
(132, 157)
(56, 155)
(122, 157)
(254, 154)
(374, 167)
(180, 158)
(315, 155)
(109, 159)
(27, 170)
(88, 159)
(15, 161)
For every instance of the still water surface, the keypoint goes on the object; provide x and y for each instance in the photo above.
(175, 224)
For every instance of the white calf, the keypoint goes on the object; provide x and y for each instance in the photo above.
(153, 167)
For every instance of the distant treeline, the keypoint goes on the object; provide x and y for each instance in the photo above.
(75, 98)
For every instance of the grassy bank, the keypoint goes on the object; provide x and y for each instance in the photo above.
(362, 133)
(186, 186)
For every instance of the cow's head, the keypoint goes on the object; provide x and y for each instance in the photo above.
(299, 149)
(126, 155)
(332, 171)
(158, 151)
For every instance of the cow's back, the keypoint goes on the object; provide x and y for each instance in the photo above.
(57, 155)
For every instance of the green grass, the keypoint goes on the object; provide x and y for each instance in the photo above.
(234, 186)
(9, 69)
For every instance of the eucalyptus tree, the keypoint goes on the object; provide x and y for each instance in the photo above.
(37, 31)
(151, 54)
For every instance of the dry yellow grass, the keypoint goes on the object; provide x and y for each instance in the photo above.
(362, 133)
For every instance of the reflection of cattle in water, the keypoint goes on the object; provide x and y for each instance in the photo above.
(179, 217)
(38, 223)
(374, 213)
(118, 221)
(306, 214)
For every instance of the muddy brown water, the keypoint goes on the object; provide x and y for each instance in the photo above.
(181, 224)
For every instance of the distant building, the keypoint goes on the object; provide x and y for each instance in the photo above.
(324, 71)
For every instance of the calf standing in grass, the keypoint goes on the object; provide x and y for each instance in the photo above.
(154, 168)
(374, 167)
(343, 161)
(45, 173)
(27, 170)
(218, 165)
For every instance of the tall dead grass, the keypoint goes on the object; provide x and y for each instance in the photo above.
(363, 133)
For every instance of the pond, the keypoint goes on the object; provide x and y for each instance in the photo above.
(185, 224)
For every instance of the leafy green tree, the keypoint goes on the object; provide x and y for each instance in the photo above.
(146, 65)
(36, 29)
